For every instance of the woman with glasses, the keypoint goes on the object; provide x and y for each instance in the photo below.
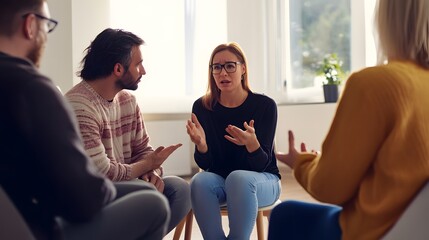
(233, 131)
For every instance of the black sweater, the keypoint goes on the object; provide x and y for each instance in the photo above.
(223, 156)
(43, 165)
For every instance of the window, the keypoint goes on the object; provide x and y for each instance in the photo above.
(314, 28)
(179, 40)
(283, 40)
(310, 29)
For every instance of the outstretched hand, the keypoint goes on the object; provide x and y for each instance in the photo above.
(290, 157)
(160, 154)
(196, 133)
(240, 137)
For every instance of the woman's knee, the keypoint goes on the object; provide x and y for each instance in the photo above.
(206, 185)
(202, 180)
(239, 179)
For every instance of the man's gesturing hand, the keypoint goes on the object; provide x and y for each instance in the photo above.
(160, 154)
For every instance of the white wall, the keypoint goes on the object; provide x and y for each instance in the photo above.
(309, 122)
(246, 27)
(169, 129)
(57, 60)
(89, 18)
(79, 22)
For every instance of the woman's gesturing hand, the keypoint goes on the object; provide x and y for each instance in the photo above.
(240, 137)
(197, 134)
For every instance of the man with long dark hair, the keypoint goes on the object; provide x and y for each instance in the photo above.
(111, 122)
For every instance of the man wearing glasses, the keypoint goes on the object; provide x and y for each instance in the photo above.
(43, 165)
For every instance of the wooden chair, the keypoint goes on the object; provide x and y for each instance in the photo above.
(188, 220)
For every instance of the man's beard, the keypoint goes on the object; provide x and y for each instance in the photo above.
(35, 54)
(127, 82)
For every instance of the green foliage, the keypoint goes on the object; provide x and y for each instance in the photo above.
(318, 27)
(331, 69)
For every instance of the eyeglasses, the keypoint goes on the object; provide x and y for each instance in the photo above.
(51, 23)
(230, 67)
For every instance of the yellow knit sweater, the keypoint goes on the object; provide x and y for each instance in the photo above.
(375, 157)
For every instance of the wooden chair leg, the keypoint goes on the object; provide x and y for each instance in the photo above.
(267, 214)
(260, 225)
(188, 227)
(179, 228)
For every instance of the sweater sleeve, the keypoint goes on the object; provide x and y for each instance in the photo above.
(91, 128)
(76, 189)
(140, 139)
(359, 127)
(203, 160)
(265, 131)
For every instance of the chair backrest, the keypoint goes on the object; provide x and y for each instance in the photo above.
(414, 222)
(12, 224)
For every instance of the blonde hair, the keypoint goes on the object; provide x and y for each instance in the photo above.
(403, 30)
(212, 95)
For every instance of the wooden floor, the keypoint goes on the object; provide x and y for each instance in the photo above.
(290, 190)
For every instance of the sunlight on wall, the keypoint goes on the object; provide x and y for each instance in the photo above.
(371, 52)
(175, 57)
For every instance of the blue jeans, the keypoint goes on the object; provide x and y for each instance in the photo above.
(242, 191)
(304, 221)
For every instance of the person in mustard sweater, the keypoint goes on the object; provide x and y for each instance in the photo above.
(375, 158)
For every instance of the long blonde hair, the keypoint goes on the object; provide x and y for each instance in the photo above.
(403, 30)
(212, 95)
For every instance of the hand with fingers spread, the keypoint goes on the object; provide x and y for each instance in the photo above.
(155, 179)
(290, 157)
(232, 154)
(160, 154)
(197, 134)
(240, 137)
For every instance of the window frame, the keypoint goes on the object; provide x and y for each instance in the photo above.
(362, 50)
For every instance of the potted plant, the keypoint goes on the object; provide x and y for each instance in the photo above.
(331, 70)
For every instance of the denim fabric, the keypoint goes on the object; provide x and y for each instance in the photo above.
(242, 192)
